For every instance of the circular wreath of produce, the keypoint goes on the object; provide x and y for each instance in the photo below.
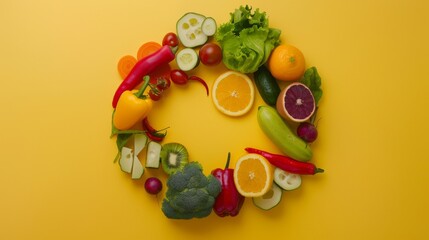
(247, 46)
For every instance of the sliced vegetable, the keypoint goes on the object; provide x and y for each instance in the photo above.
(140, 141)
(138, 169)
(153, 158)
(142, 68)
(125, 64)
(209, 26)
(286, 180)
(270, 199)
(126, 160)
(187, 59)
(189, 30)
(147, 49)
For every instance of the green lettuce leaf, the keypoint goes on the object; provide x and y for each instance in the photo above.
(313, 81)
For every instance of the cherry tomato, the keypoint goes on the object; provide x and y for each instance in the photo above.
(210, 54)
(179, 77)
(170, 39)
(154, 95)
(163, 83)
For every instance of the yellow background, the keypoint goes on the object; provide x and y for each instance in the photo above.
(58, 75)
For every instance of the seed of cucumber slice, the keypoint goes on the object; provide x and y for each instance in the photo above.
(286, 180)
(189, 30)
(187, 59)
(209, 26)
(270, 199)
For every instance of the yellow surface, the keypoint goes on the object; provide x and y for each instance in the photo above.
(58, 75)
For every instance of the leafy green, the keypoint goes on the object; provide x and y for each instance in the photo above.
(313, 81)
(247, 40)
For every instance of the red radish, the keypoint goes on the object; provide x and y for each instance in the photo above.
(307, 131)
(153, 185)
(181, 78)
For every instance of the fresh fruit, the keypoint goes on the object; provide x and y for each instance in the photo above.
(270, 199)
(170, 39)
(189, 30)
(210, 54)
(307, 131)
(153, 158)
(153, 185)
(253, 175)
(286, 180)
(233, 93)
(181, 78)
(296, 103)
(267, 85)
(187, 59)
(126, 160)
(276, 129)
(286, 63)
(173, 157)
(209, 26)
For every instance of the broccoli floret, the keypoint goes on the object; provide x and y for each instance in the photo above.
(190, 193)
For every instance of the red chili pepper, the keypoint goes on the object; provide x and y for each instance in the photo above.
(151, 132)
(229, 200)
(143, 67)
(287, 163)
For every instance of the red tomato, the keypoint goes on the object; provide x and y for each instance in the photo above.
(170, 39)
(210, 54)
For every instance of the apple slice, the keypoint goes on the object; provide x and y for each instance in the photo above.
(126, 161)
(153, 155)
(138, 169)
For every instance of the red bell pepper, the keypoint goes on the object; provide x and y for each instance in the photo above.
(229, 200)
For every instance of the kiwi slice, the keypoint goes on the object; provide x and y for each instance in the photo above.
(173, 156)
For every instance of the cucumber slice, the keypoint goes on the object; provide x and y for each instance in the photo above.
(153, 158)
(189, 30)
(187, 59)
(286, 180)
(126, 161)
(270, 199)
(209, 26)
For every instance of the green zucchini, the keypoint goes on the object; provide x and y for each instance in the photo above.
(267, 85)
(273, 125)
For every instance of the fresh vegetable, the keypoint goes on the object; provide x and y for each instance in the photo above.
(287, 163)
(152, 133)
(181, 78)
(209, 26)
(126, 160)
(125, 64)
(141, 68)
(129, 161)
(276, 129)
(170, 39)
(247, 40)
(187, 59)
(153, 185)
(229, 201)
(210, 54)
(153, 158)
(286, 63)
(161, 72)
(189, 31)
(190, 193)
(296, 103)
(147, 49)
(269, 200)
(307, 131)
(174, 156)
(267, 85)
(313, 81)
(132, 107)
(286, 180)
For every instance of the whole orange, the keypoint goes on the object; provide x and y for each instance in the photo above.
(286, 63)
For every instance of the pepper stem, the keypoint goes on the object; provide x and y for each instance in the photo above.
(318, 170)
(146, 80)
(227, 160)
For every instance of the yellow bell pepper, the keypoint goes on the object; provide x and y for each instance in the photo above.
(132, 107)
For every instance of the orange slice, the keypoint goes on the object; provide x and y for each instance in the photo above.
(253, 175)
(233, 93)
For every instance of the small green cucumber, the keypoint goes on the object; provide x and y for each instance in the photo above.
(273, 125)
(267, 85)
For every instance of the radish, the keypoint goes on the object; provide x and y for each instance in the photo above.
(307, 131)
(153, 185)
